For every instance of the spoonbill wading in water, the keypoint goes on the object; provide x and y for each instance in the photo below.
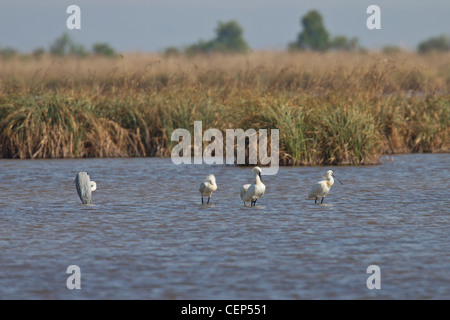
(85, 187)
(208, 186)
(321, 188)
(252, 192)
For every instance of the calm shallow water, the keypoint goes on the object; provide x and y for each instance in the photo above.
(149, 237)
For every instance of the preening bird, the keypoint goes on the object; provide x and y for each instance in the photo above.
(208, 186)
(85, 187)
(252, 192)
(321, 188)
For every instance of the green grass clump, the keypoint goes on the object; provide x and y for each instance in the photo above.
(347, 135)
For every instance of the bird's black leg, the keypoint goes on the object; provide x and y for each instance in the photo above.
(208, 200)
(315, 201)
(322, 200)
(254, 203)
(202, 199)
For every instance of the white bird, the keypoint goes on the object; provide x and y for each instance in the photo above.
(208, 186)
(321, 188)
(252, 192)
(85, 187)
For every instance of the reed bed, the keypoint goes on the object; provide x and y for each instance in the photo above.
(330, 108)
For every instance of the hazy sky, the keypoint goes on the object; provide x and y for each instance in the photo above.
(154, 25)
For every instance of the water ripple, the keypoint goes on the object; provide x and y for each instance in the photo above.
(151, 238)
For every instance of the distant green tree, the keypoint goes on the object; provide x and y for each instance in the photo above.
(64, 45)
(78, 50)
(343, 43)
(171, 51)
(314, 35)
(61, 45)
(441, 43)
(7, 53)
(201, 47)
(103, 49)
(229, 38)
(38, 52)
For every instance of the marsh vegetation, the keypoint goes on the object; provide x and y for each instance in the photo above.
(331, 108)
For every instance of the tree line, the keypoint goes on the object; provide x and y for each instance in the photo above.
(64, 45)
(230, 39)
(313, 37)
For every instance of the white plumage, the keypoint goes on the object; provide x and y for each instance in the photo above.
(208, 186)
(252, 192)
(321, 188)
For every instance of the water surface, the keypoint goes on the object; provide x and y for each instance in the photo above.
(147, 236)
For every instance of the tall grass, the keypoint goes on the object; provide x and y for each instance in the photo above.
(332, 108)
(50, 126)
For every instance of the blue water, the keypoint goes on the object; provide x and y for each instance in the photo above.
(147, 236)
